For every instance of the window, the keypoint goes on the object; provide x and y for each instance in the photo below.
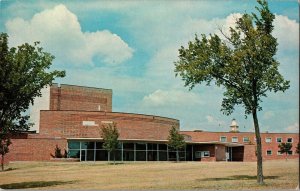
(279, 140)
(198, 154)
(279, 153)
(268, 140)
(205, 154)
(74, 145)
(202, 154)
(223, 139)
(246, 140)
(269, 152)
(289, 140)
(290, 153)
(234, 139)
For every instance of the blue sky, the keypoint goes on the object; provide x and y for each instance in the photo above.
(131, 47)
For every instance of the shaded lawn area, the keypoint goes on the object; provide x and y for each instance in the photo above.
(149, 175)
(34, 184)
(240, 177)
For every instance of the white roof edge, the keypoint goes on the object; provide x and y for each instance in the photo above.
(98, 138)
(209, 142)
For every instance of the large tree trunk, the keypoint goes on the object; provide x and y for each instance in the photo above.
(177, 156)
(260, 176)
(108, 156)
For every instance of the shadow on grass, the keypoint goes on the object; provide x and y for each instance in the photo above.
(35, 184)
(239, 177)
(117, 163)
(8, 169)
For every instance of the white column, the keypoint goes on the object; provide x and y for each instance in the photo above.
(80, 151)
(122, 151)
(167, 153)
(134, 152)
(185, 152)
(192, 152)
(146, 152)
(95, 151)
(157, 150)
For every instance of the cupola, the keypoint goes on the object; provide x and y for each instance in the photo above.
(234, 127)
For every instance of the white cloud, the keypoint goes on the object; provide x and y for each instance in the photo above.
(287, 33)
(59, 32)
(171, 97)
(209, 118)
(293, 128)
(268, 115)
(225, 24)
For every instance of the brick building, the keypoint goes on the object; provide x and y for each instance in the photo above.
(71, 118)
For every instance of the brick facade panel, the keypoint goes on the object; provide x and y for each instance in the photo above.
(68, 97)
(34, 149)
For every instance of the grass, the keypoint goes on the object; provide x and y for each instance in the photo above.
(151, 175)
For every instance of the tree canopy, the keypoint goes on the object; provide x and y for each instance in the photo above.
(242, 62)
(24, 71)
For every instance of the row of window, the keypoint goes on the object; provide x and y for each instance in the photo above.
(269, 152)
(93, 151)
(234, 139)
(279, 140)
(247, 140)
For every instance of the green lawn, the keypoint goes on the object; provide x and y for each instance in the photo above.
(148, 175)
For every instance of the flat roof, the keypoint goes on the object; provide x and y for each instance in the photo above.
(84, 87)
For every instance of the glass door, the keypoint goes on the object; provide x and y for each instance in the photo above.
(83, 155)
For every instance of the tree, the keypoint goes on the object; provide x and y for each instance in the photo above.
(58, 153)
(176, 141)
(4, 144)
(110, 137)
(285, 148)
(243, 64)
(24, 71)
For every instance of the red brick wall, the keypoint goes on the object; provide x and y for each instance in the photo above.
(249, 150)
(206, 147)
(249, 153)
(34, 149)
(69, 124)
(68, 97)
(220, 153)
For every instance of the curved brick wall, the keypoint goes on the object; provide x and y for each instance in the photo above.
(70, 124)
